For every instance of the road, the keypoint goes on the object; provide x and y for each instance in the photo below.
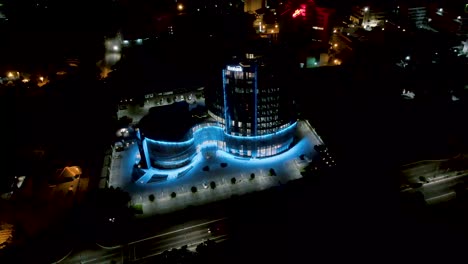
(137, 250)
(441, 190)
(427, 169)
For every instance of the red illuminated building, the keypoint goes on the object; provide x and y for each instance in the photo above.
(305, 21)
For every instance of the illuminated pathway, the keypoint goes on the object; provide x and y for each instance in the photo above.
(287, 166)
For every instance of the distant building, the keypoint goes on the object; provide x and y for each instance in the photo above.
(305, 21)
(322, 22)
(251, 6)
(417, 16)
(453, 21)
(367, 17)
(212, 7)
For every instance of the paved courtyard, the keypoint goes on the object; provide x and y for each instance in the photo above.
(286, 165)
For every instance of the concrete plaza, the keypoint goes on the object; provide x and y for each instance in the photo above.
(287, 166)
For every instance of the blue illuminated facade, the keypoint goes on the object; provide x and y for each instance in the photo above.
(169, 155)
(249, 121)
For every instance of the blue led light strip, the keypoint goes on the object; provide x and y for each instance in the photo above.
(254, 151)
(226, 117)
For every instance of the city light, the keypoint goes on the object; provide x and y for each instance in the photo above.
(41, 79)
(458, 17)
(366, 9)
(234, 68)
(296, 13)
(10, 75)
(115, 48)
(299, 12)
(25, 80)
(276, 26)
(180, 7)
(335, 45)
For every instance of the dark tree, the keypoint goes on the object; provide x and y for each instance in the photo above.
(151, 197)
(193, 189)
(233, 180)
(112, 213)
(212, 185)
(272, 172)
(173, 195)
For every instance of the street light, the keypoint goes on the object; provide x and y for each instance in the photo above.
(41, 79)
(180, 7)
(366, 9)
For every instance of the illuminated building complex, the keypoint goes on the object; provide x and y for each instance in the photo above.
(248, 118)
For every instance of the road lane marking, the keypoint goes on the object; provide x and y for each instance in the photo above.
(151, 249)
(446, 179)
(179, 230)
(443, 195)
(215, 239)
(172, 238)
(100, 257)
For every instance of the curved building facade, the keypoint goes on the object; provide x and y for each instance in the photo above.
(252, 119)
(212, 136)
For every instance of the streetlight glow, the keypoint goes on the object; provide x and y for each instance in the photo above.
(366, 9)
(180, 7)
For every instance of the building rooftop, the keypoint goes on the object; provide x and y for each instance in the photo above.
(167, 123)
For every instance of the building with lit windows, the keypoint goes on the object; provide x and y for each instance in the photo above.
(248, 117)
(367, 17)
